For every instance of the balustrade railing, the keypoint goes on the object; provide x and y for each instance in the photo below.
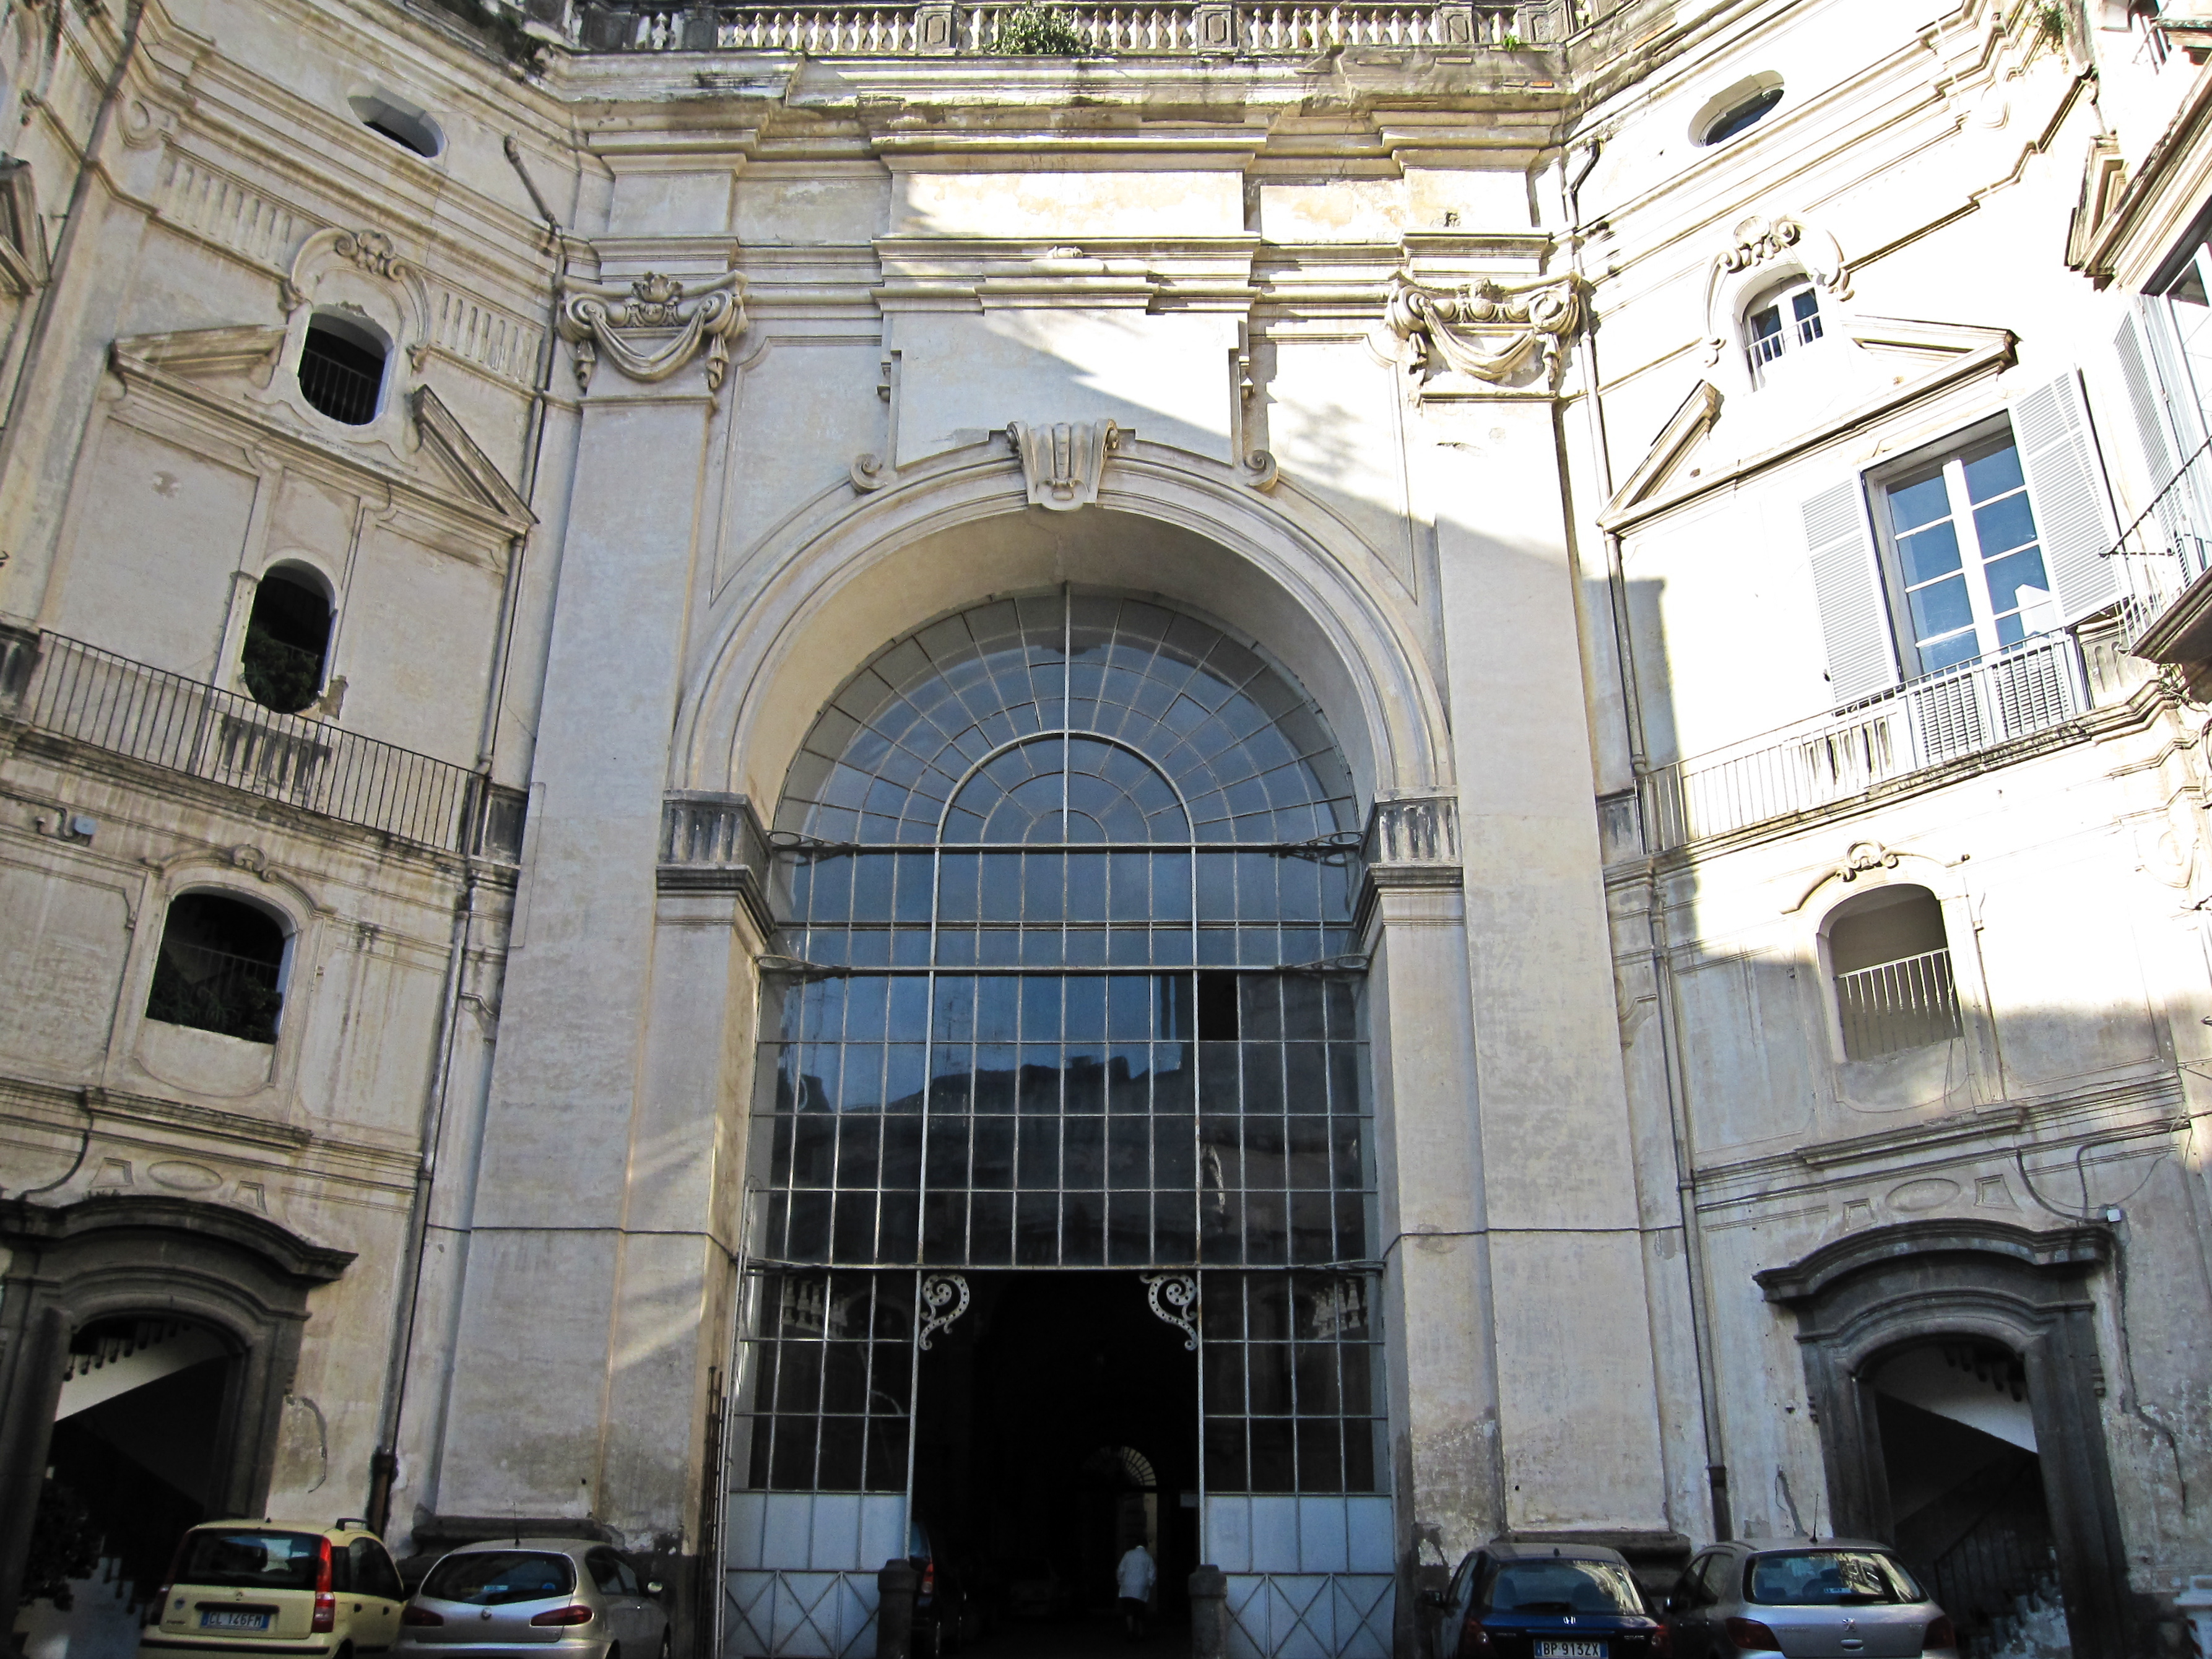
(2033, 687)
(75, 690)
(927, 27)
(1895, 1006)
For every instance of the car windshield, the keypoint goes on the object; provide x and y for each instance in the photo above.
(491, 1579)
(251, 1560)
(1563, 1586)
(1827, 1578)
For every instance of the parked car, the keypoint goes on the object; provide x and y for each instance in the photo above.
(534, 1598)
(288, 1587)
(1521, 1601)
(946, 1616)
(1799, 1597)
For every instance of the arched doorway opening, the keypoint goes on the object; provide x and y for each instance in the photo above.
(146, 1347)
(1966, 1339)
(1063, 1036)
(129, 1467)
(1966, 1486)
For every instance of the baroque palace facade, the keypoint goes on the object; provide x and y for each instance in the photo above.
(1318, 780)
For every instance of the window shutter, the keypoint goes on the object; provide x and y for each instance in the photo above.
(2058, 451)
(2144, 403)
(1847, 588)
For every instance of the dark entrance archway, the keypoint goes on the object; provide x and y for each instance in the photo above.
(1866, 1303)
(98, 1270)
(1055, 1425)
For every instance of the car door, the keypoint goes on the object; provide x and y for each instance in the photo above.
(1461, 1607)
(651, 1618)
(1690, 1609)
(376, 1585)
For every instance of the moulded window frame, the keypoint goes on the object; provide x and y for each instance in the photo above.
(287, 924)
(1961, 936)
(1876, 483)
(1744, 90)
(1779, 294)
(346, 321)
(282, 566)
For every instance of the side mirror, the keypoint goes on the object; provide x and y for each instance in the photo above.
(1434, 1598)
(653, 1586)
(1672, 1604)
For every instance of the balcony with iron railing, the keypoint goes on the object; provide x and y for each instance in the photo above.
(921, 29)
(66, 689)
(2165, 558)
(1836, 759)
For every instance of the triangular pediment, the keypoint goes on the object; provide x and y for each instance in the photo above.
(1883, 364)
(447, 443)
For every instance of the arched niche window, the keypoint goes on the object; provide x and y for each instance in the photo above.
(392, 117)
(341, 367)
(287, 638)
(1890, 962)
(1781, 319)
(220, 968)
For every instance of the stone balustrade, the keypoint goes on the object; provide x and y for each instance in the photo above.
(931, 27)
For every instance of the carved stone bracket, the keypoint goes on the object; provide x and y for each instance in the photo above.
(1062, 464)
(1260, 470)
(1414, 830)
(1488, 330)
(871, 471)
(651, 326)
(1180, 1292)
(1780, 241)
(1863, 859)
(938, 1292)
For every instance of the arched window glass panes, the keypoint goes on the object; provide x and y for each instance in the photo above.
(1065, 887)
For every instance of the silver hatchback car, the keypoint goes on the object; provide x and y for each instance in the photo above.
(1800, 1598)
(533, 1598)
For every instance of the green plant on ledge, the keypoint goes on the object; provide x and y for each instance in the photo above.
(1508, 43)
(2051, 22)
(1034, 31)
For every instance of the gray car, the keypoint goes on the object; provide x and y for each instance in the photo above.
(534, 1598)
(1836, 1598)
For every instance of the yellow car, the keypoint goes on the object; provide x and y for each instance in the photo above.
(277, 1587)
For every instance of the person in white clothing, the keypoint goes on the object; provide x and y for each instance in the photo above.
(1133, 1578)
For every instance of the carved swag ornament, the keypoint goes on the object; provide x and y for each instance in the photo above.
(1487, 330)
(653, 325)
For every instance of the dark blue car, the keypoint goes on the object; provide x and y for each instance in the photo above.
(1527, 1601)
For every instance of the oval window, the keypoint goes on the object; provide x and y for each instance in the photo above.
(399, 120)
(1744, 105)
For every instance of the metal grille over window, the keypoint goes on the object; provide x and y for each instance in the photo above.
(1892, 963)
(826, 1370)
(341, 369)
(219, 969)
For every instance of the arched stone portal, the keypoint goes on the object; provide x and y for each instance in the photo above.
(1867, 1301)
(237, 1276)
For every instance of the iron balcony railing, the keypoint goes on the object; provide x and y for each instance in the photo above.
(1895, 1006)
(2168, 547)
(920, 28)
(2033, 687)
(75, 691)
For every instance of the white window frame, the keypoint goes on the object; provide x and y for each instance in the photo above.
(1799, 326)
(1951, 455)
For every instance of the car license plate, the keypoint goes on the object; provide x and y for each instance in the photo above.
(1570, 1650)
(233, 1618)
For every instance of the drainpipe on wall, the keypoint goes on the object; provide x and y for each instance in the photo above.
(384, 1462)
(1686, 1177)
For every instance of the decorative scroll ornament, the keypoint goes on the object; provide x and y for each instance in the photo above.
(1062, 465)
(1761, 242)
(1488, 330)
(652, 326)
(1180, 1292)
(938, 1292)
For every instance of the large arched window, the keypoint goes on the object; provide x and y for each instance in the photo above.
(1066, 982)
